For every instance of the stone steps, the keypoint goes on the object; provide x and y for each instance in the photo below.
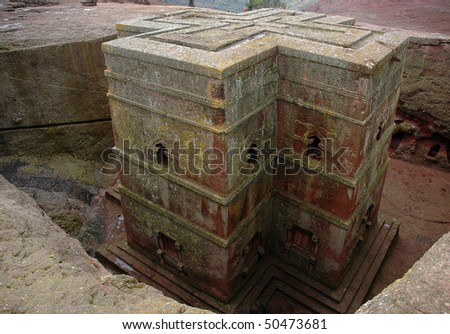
(272, 282)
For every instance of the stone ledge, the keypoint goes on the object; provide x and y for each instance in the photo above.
(425, 288)
(46, 271)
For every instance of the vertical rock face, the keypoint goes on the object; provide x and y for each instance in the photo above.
(45, 271)
(54, 101)
(248, 134)
(422, 133)
(425, 82)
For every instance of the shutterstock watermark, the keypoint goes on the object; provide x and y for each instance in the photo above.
(192, 160)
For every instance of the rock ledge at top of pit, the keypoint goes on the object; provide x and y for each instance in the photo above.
(46, 271)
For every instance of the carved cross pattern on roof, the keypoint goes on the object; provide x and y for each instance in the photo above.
(227, 34)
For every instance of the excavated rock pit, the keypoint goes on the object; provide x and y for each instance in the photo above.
(52, 137)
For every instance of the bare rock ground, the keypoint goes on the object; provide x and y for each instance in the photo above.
(43, 270)
(424, 289)
(430, 15)
(67, 23)
(18, 27)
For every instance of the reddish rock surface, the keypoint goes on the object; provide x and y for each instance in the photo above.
(424, 289)
(423, 15)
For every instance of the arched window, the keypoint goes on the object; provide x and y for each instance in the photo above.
(314, 148)
(162, 155)
(252, 154)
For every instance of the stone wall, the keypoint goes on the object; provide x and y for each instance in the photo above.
(54, 101)
(426, 82)
(53, 92)
(422, 133)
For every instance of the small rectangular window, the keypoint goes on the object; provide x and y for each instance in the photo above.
(168, 245)
(301, 238)
(169, 252)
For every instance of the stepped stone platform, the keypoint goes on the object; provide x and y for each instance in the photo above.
(304, 85)
(274, 288)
